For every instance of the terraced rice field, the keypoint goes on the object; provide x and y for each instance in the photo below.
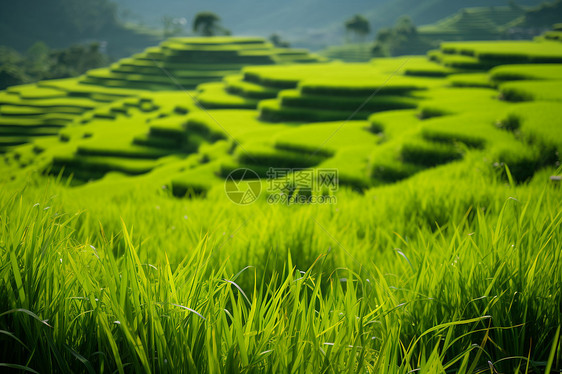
(178, 64)
(441, 255)
(390, 116)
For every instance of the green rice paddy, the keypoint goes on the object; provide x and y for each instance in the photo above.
(121, 252)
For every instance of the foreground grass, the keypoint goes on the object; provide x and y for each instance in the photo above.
(432, 275)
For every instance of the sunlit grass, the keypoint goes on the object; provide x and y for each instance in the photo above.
(333, 288)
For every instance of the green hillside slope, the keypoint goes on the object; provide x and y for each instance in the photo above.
(61, 23)
(266, 116)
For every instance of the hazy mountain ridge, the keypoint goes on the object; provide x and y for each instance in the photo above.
(309, 23)
(313, 24)
(247, 16)
(61, 23)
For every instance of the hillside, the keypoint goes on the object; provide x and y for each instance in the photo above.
(488, 23)
(426, 12)
(61, 23)
(253, 16)
(310, 23)
(479, 23)
(540, 17)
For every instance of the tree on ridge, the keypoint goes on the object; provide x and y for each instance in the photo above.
(208, 24)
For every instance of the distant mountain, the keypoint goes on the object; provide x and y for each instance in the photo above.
(429, 11)
(61, 23)
(313, 24)
(541, 17)
(480, 23)
(308, 23)
(259, 17)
